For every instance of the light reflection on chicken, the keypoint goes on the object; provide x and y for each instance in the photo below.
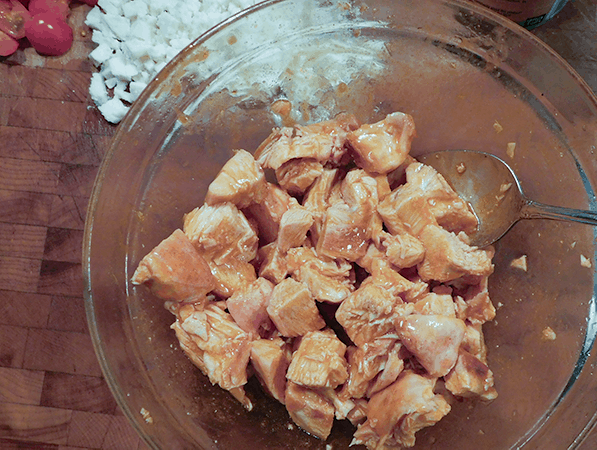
(265, 275)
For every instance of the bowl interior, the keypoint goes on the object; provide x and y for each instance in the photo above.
(471, 80)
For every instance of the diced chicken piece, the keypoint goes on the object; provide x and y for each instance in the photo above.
(297, 175)
(316, 200)
(450, 211)
(396, 413)
(470, 377)
(436, 304)
(392, 369)
(269, 212)
(448, 258)
(347, 225)
(241, 182)
(406, 208)
(385, 276)
(319, 361)
(433, 339)
(273, 265)
(232, 275)
(342, 405)
(294, 226)
(370, 361)
(474, 342)
(358, 414)
(367, 313)
(328, 281)
(270, 359)
(323, 142)
(383, 186)
(403, 249)
(220, 232)
(479, 308)
(224, 345)
(293, 310)
(175, 270)
(425, 199)
(417, 291)
(310, 410)
(248, 306)
(383, 146)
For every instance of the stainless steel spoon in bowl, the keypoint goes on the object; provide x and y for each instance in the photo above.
(492, 190)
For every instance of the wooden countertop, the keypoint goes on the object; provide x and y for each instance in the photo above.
(52, 139)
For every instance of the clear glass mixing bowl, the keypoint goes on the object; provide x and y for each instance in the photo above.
(470, 79)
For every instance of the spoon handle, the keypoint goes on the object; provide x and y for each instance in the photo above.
(536, 210)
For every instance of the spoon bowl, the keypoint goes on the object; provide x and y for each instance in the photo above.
(493, 191)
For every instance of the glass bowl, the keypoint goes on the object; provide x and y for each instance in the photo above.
(470, 79)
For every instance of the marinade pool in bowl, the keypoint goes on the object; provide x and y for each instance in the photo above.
(470, 79)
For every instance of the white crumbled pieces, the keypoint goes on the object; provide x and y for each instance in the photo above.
(585, 262)
(548, 334)
(520, 263)
(510, 149)
(137, 38)
(497, 127)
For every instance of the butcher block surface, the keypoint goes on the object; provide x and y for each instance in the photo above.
(52, 140)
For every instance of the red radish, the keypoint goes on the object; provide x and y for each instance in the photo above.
(13, 16)
(8, 45)
(59, 7)
(49, 34)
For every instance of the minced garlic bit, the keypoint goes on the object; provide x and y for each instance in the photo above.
(510, 149)
(146, 416)
(520, 263)
(497, 127)
(505, 187)
(460, 168)
(585, 262)
(548, 334)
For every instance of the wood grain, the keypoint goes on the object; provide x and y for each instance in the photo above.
(52, 140)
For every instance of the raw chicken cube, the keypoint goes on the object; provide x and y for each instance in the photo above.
(232, 275)
(474, 342)
(316, 200)
(470, 377)
(450, 211)
(248, 306)
(368, 362)
(448, 258)
(241, 182)
(269, 212)
(323, 142)
(425, 199)
(367, 313)
(310, 410)
(175, 270)
(297, 175)
(293, 310)
(396, 413)
(436, 304)
(270, 359)
(434, 340)
(272, 263)
(348, 223)
(403, 249)
(226, 347)
(479, 308)
(383, 146)
(220, 232)
(328, 281)
(319, 361)
(294, 225)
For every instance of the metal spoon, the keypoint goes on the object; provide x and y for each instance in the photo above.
(492, 190)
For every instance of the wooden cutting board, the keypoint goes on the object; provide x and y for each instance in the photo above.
(52, 139)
